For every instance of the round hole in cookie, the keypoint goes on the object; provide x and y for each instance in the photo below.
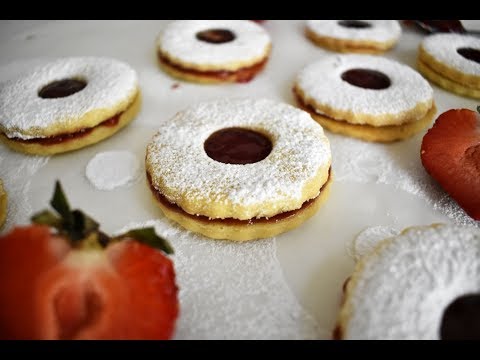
(216, 36)
(470, 54)
(237, 145)
(356, 24)
(461, 319)
(367, 79)
(62, 88)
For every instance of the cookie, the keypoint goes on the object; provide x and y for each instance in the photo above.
(365, 96)
(213, 51)
(3, 204)
(67, 104)
(356, 36)
(421, 284)
(239, 169)
(452, 61)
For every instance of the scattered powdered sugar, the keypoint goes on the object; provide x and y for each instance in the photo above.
(443, 47)
(379, 31)
(176, 157)
(111, 169)
(24, 114)
(396, 164)
(412, 279)
(321, 81)
(17, 172)
(178, 40)
(232, 290)
(368, 239)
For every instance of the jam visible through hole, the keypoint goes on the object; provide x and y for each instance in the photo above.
(356, 24)
(237, 146)
(367, 79)
(216, 36)
(470, 54)
(62, 88)
(461, 319)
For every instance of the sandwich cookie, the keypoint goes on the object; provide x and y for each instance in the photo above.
(365, 96)
(67, 104)
(357, 36)
(452, 61)
(239, 169)
(422, 284)
(213, 51)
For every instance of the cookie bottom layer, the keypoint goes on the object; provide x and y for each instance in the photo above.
(446, 83)
(349, 46)
(3, 205)
(243, 230)
(96, 134)
(389, 133)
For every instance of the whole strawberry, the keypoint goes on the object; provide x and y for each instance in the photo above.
(62, 278)
(451, 155)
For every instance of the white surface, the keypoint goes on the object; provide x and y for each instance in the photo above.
(112, 169)
(374, 184)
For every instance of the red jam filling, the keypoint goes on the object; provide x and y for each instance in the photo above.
(237, 146)
(367, 79)
(58, 139)
(231, 221)
(241, 75)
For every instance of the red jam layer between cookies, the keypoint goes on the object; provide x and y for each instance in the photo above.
(241, 75)
(58, 139)
(231, 221)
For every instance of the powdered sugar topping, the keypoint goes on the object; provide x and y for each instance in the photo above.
(179, 41)
(367, 239)
(322, 82)
(443, 47)
(412, 279)
(17, 172)
(24, 114)
(379, 31)
(112, 169)
(178, 158)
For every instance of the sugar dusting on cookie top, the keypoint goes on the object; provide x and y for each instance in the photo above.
(178, 161)
(360, 30)
(401, 290)
(180, 41)
(445, 49)
(323, 82)
(26, 115)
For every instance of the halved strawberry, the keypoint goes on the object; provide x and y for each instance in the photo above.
(450, 153)
(77, 283)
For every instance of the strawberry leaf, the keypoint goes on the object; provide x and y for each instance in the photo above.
(82, 226)
(149, 237)
(59, 202)
(84, 231)
(76, 224)
(46, 217)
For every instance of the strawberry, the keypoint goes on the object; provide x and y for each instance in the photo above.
(450, 153)
(62, 278)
